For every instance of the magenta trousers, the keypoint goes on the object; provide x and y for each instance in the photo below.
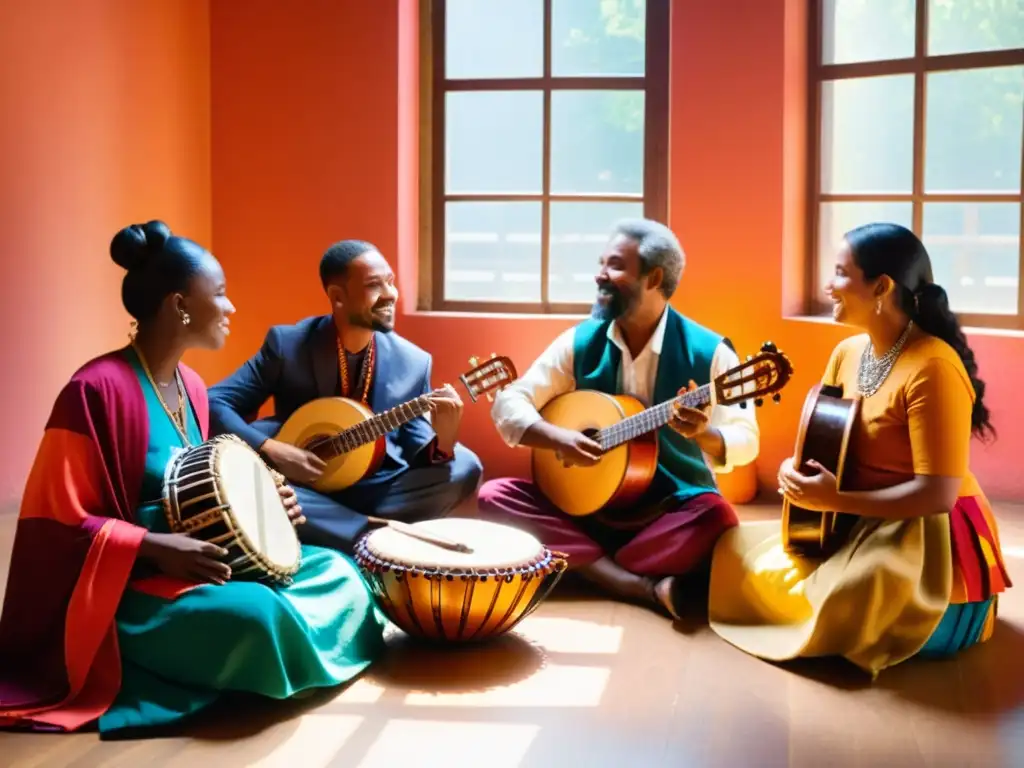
(675, 543)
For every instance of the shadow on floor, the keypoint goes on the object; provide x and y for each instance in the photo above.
(428, 668)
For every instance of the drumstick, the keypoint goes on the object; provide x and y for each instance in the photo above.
(416, 533)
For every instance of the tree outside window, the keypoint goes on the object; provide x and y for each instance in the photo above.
(548, 122)
(918, 118)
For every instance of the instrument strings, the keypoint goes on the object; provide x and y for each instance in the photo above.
(373, 428)
(651, 418)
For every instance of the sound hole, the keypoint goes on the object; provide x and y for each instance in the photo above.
(592, 433)
(320, 446)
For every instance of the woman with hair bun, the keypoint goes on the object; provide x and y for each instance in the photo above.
(109, 618)
(921, 571)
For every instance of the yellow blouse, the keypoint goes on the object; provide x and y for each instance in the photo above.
(917, 423)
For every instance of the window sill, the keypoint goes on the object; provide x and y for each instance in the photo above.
(970, 330)
(466, 315)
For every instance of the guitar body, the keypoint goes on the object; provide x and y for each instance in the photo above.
(621, 476)
(325, 417)
(826, 425)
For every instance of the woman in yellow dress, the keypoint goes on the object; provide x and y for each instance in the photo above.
(921, 571)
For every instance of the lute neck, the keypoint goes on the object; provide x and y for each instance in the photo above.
(371, 430)
(651, 419)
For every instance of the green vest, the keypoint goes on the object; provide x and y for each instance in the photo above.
(686, 354)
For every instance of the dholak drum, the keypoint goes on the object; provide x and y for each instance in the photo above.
(221, 491)
(435, 593)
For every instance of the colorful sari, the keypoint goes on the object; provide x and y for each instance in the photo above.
(87, 635)
(924, 586)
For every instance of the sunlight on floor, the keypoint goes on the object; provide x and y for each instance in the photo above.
(430, 744)
(562, 635)
(362, 691)
(552, 686)
(310, 741)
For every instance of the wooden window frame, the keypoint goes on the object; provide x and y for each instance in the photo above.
(920, 65)
(433, 197)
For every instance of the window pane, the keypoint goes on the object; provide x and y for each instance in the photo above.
(597, 142)
(492, 252)
(867, 135)
(975, 252)
(973, 130)
(867, 30)
(969, 26)
(494, 38)
(597, 38)
(493, 141)
(836, 219)
(579, 232)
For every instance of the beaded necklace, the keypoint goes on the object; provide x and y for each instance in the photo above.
(177, 417)
(873, 371)
(365, 373)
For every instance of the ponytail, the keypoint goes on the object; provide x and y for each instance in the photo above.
(932, 314)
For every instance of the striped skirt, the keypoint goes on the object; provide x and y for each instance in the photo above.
(979, 575)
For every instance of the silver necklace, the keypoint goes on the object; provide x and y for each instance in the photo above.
(873, 371)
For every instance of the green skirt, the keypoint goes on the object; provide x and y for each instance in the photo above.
(179, 656)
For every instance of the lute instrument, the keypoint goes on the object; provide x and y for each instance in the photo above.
(824, 434)
(350, 438)
(626, 431)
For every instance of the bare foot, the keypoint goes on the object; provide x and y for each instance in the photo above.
(663, 594)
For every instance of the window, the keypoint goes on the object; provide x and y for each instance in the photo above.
(548, 120)
(917, 111)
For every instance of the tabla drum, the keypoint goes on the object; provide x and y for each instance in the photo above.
(438, 594)
(222, 492)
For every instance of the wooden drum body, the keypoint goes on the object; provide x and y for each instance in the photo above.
(222, 492)
(437, 594)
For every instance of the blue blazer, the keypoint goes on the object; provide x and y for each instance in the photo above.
(298, 363)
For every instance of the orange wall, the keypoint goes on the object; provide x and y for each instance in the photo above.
(314, 139)
(105, 108)
(292, 128)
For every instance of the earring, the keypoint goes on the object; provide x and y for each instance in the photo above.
(185, 319)
(878, 307)
(133, 330)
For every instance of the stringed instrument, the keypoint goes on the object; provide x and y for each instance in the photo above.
(627, 434)
(350, 438)
(826, 426)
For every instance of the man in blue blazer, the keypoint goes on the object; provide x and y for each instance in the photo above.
(354, 353)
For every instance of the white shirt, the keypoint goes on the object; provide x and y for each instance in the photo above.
(516, 408)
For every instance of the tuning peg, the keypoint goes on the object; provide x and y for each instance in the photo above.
(759, 402)
(777, 397)
(769, 346)
(749, 358)
(474, 361)
(490, 397)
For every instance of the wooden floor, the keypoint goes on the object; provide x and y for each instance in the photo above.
(586, 682)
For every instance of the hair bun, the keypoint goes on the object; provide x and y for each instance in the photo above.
(134, 246)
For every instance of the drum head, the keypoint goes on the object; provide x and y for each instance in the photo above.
(494, 545)
(256, 505)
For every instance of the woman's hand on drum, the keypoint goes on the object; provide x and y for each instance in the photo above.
(291, 504)
(183, 557)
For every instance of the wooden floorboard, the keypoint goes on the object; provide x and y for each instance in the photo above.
(587, 682)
